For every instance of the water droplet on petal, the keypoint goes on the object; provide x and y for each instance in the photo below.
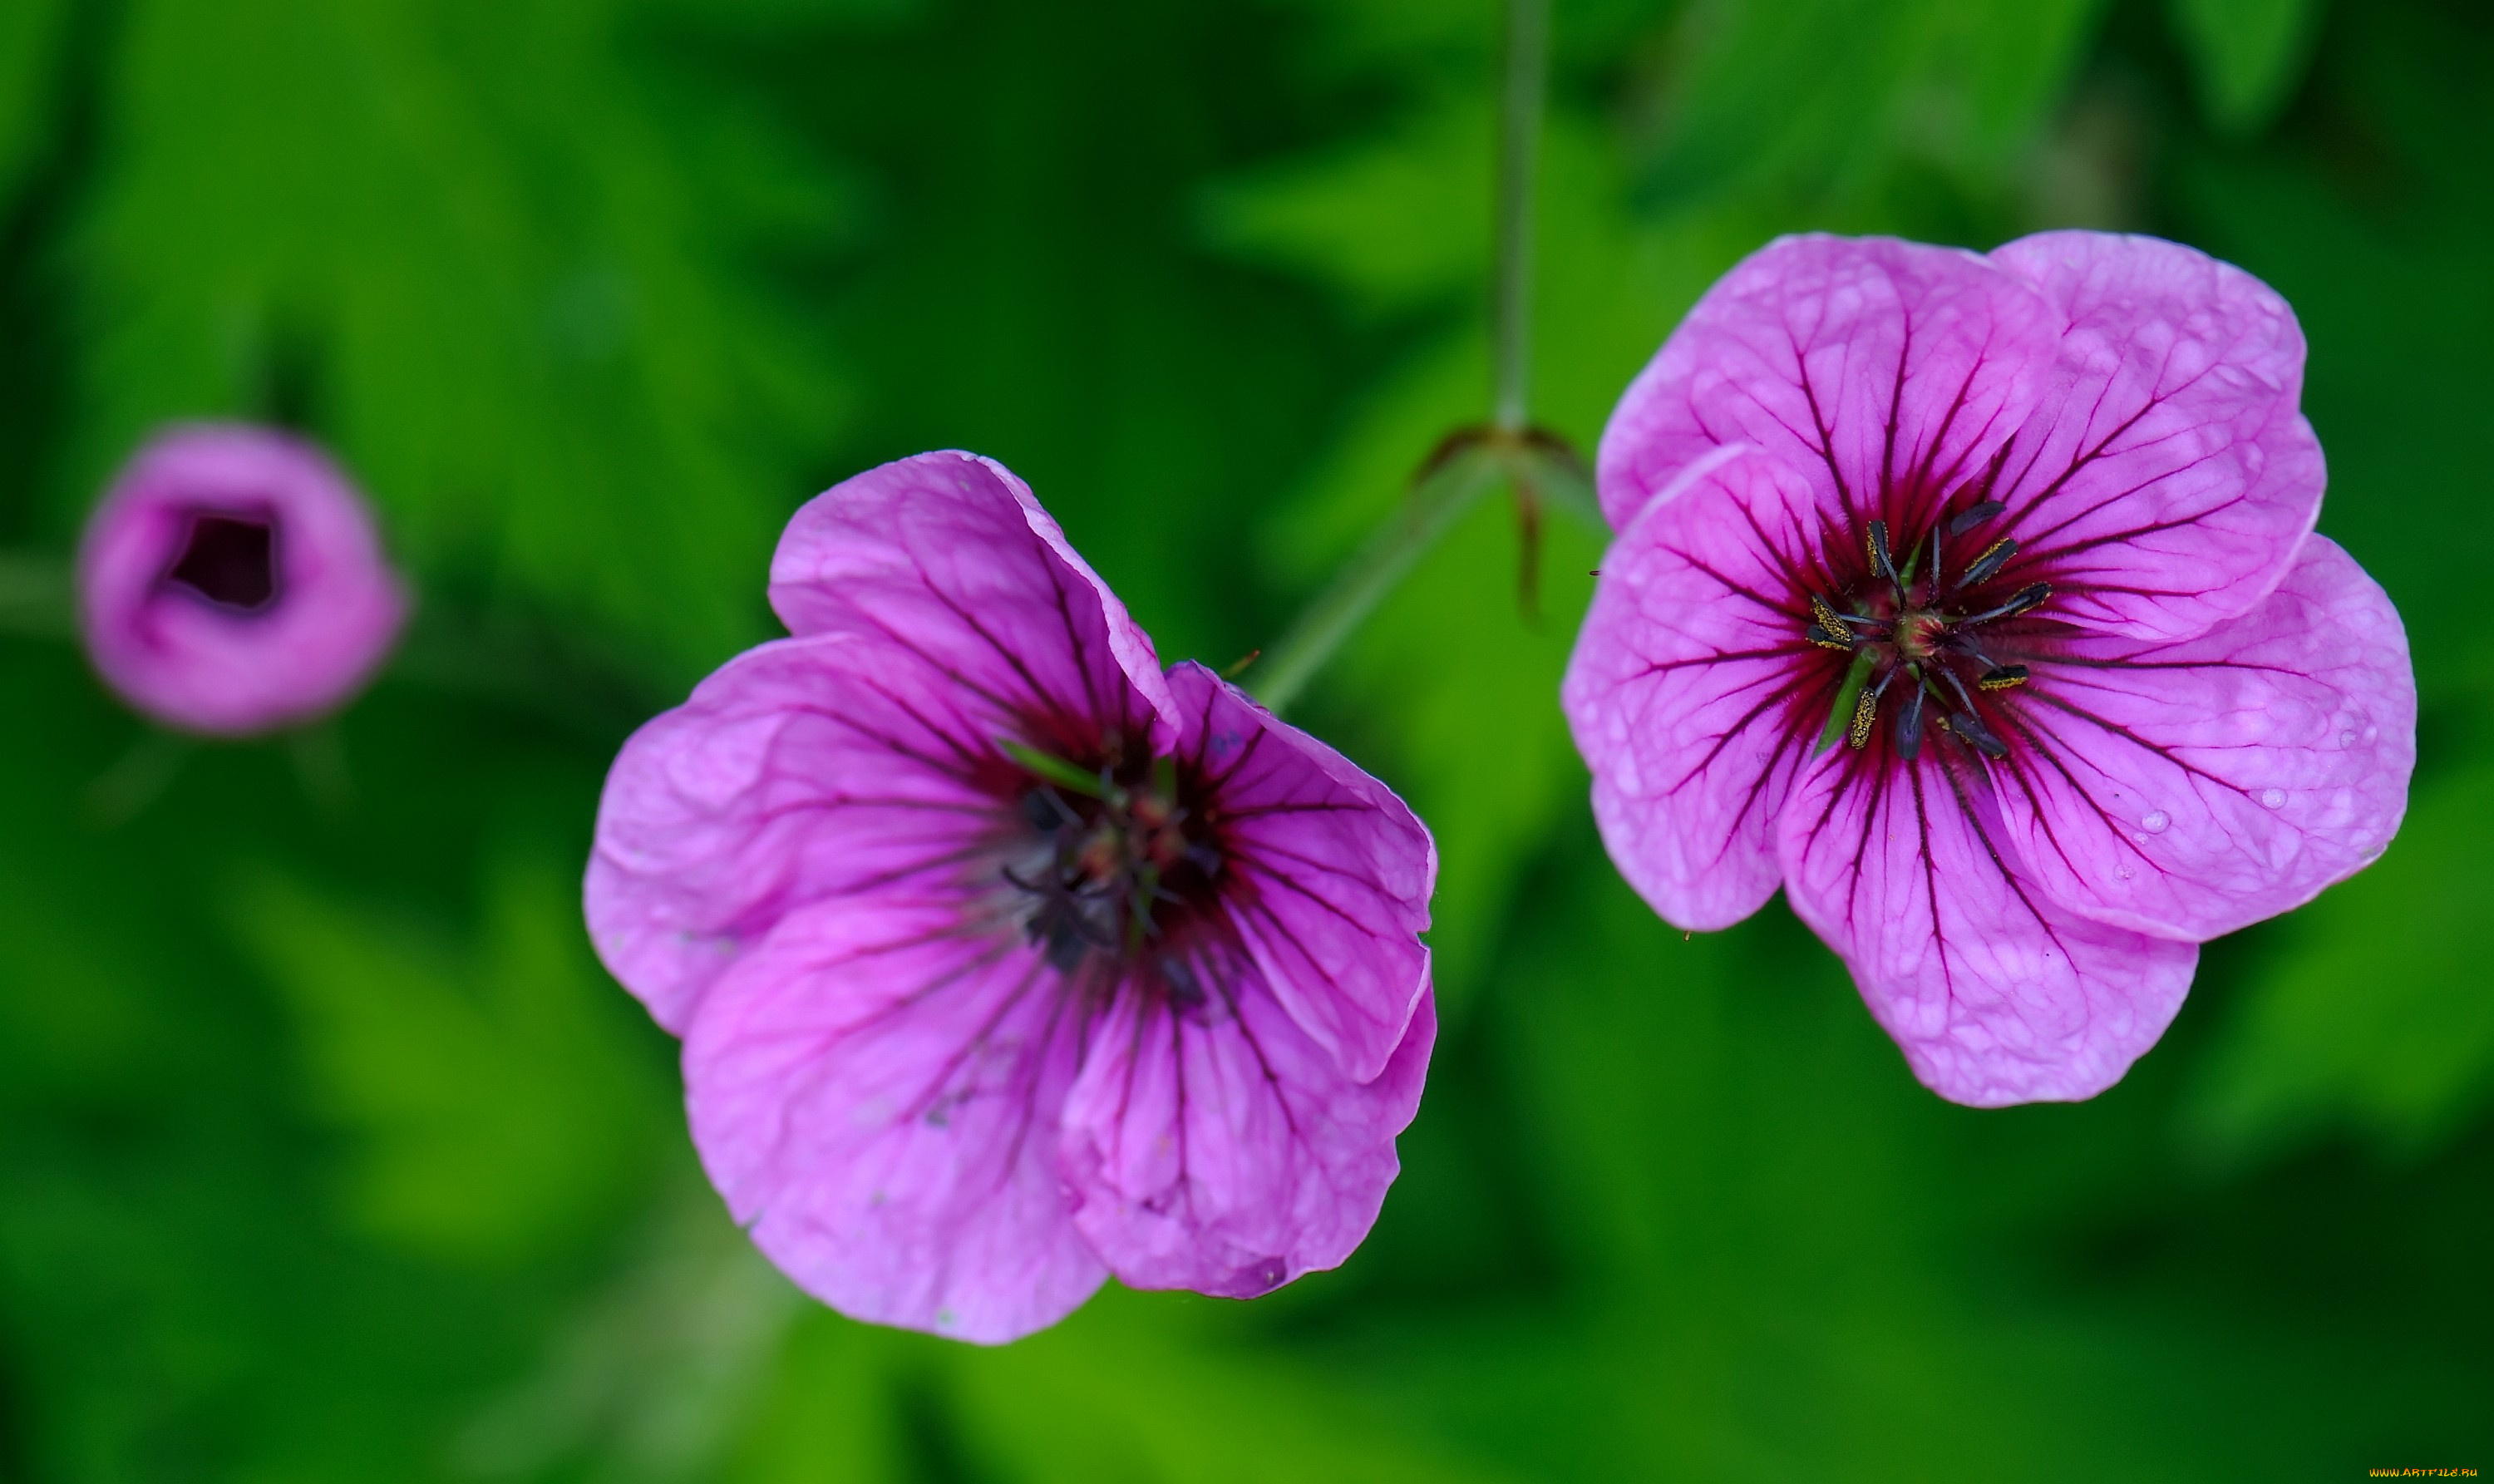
(2155, 822)
(2347, 739)
(2271, 798)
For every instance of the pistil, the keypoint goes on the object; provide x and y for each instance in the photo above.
(1913, 628)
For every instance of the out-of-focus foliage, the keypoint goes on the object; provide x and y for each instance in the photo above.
(326, 1152)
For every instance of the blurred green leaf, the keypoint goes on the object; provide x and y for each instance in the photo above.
(671, 1366)
(1856, 85)
(496, 1104)
(470, 249)
(2374, 1011)
(31, 32)
(1116, 1393)
(2247, 55)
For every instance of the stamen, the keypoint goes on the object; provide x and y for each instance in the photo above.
(1830, 632)
(1877, 538)
(2021, 601)
(1995, 556)
(1909, 724)
(1969, 725)
(1975, 515)
(1045, 811)
(1936, 564)
(2002, 677)
(1865, 710)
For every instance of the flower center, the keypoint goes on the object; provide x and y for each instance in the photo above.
(1918, 635)
(229, 560)
(1927, 635)
(1118, 861)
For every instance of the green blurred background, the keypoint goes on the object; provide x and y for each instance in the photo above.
(328, 1153)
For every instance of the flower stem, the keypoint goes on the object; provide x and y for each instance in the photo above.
(1519, 143)
(1470, 464)
(1431, 506)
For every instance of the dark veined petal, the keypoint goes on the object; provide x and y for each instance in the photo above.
(876, 1091)
(801, 771)
(1327, 876)
(1220, 1149)
(1994, 992)
(2167, 484)
(1865, 364)
(948, 558)
(2191, 788)
(1693, 692)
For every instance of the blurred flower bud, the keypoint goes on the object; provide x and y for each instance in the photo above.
(232, 582)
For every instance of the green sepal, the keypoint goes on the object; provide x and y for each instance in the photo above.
(1842, 714)
(1055, 770)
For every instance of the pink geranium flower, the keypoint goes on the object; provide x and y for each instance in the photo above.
(1004, 958)
(1973, 600)
(231, 582)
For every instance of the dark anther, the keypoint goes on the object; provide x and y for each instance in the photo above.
(2002, 677)
(1877, 538)
(1995, 556)
(229, 560)
(1969, 725)
(1185, 990)
(1909, 722)
(1935, 560)
(1967, 520)
(1066, 944)
(2019, 602)
(1045, 812)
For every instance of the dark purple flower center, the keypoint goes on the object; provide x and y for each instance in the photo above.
(1934, 635)
(228, 559)
(1121, 863)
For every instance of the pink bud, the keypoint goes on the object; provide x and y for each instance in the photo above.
(231, 582)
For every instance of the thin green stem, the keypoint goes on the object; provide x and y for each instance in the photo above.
(1370, 574)
(1453, 485)
(1519, 143)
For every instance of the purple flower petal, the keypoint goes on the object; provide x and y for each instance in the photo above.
(2190, 789)
(2168, 488)
(802, 770)
(947, 557)
(1864, 364)
(891, 939)
(1332, 874)
(1995, 992)
(1220, 1149)
(875, 1093)
(231, 582)
(1694, 694)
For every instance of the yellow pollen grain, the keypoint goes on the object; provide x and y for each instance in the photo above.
(1838, 636)
(2000, 681)
(1865, 708)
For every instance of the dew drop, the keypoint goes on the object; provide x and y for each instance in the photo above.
(2271, 798)
(2347, 739)
(2155, 822)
